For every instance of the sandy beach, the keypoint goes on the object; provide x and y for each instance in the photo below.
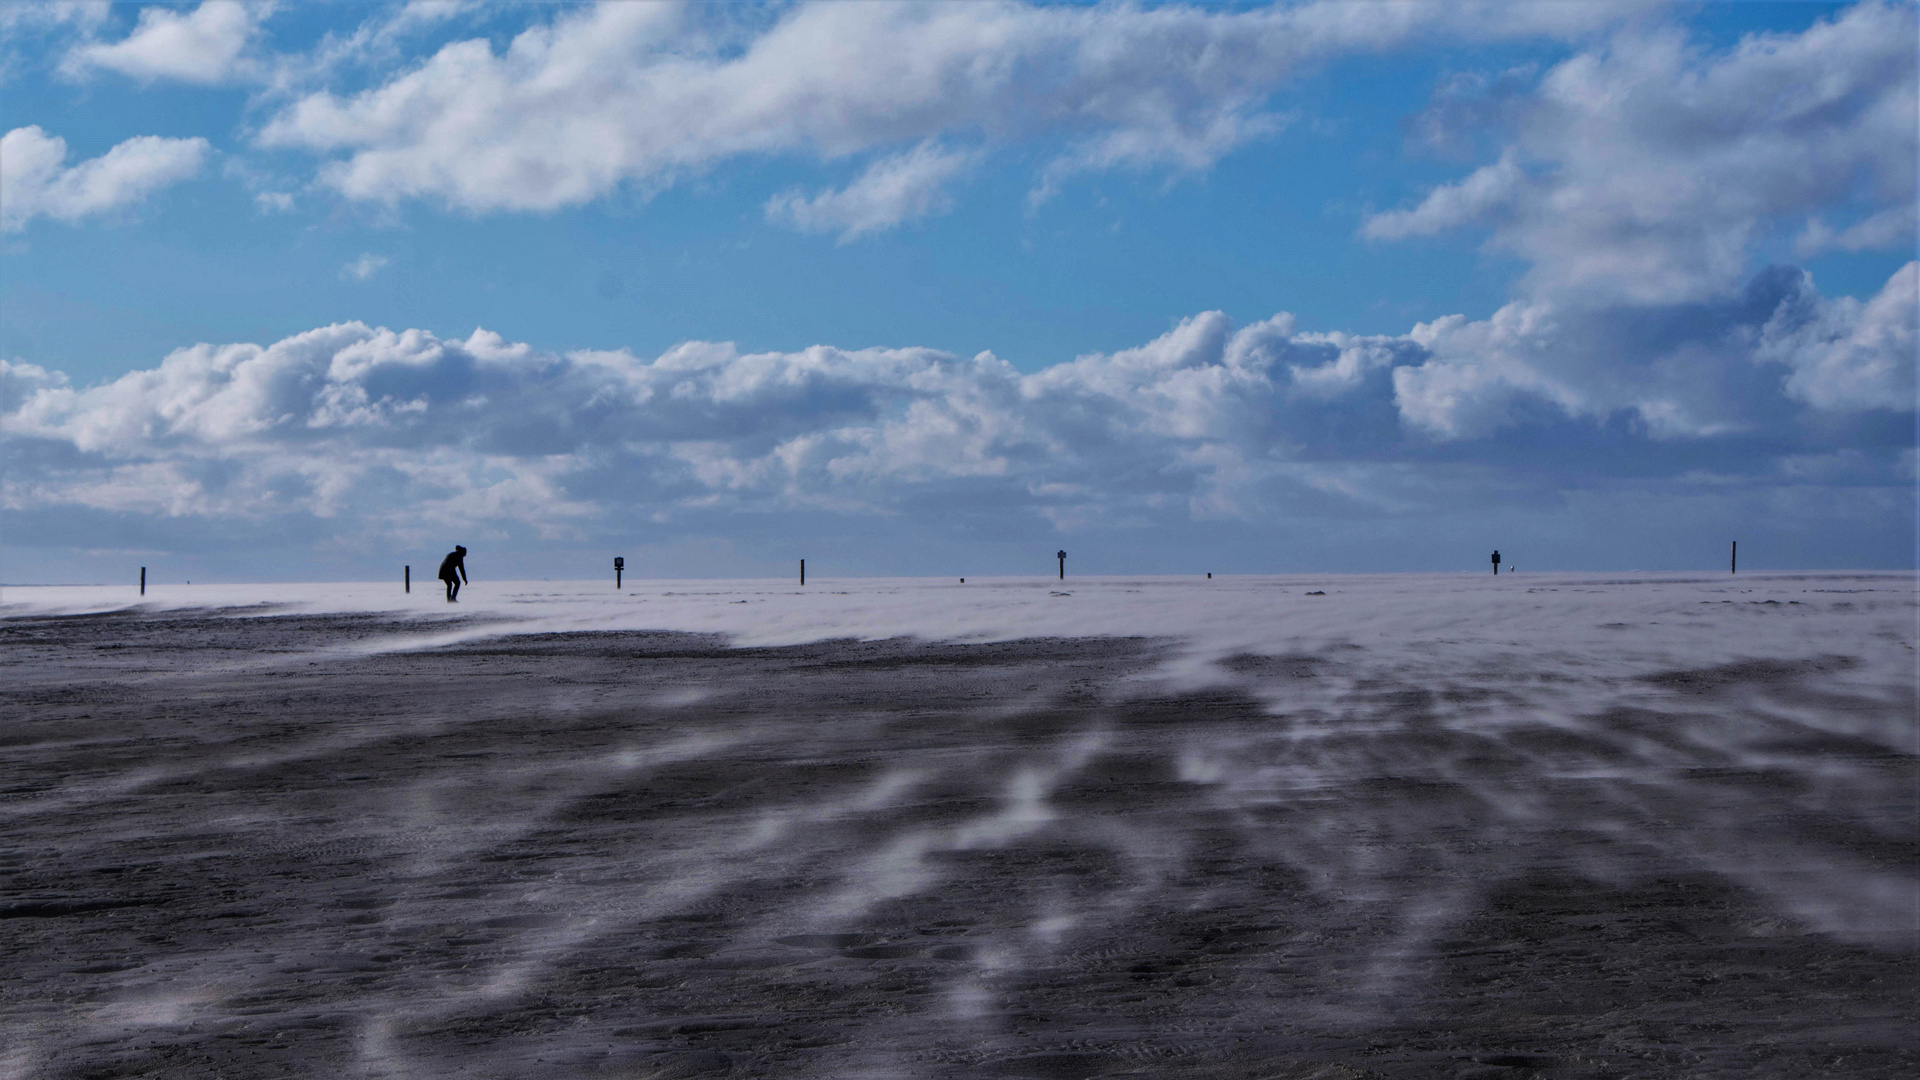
(1336, 827)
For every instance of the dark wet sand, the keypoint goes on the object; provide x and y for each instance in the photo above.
(635, 855)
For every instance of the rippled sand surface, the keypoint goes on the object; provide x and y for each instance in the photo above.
(1576, 826)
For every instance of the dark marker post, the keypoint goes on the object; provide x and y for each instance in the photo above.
(619, 564)
(1733, 559)
(803, 571)
(1062, 556)
(143, 581)
(406, 578)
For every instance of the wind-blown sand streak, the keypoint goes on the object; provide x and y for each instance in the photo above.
(1568, 826)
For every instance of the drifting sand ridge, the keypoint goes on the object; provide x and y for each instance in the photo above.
(320, 844)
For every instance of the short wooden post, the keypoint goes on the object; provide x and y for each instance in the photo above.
(1062, 556)
(1733, 559)
(143, 581)
(619, 565)
(803, 571)
(406, 578)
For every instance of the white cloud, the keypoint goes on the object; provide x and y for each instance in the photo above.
(23, 15)
(1686, 370)
(1489, 190)
(1480, 369)
(36, 182)
(19, 382)
(363, 267)
(646, 93)
(206, 45)
(1646, 172)
(26, 26)
(905, 187)
(1846, 355)
(1207, 421)
(1638, 184)
(1889, 228)
(246, 430)
(377, 42)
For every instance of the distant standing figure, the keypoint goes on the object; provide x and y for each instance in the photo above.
(1496, 562)
(453, 571)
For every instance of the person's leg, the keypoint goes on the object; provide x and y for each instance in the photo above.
(453, 589)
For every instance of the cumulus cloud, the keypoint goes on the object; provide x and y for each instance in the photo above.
(206, 45)
(1682, 370)
(646, 93)
(330, 419)
(1846, 355)
(1208, 421)
(36, 182)
(905, 187)
(1645, 172)
(19, 381)
(1638, 182)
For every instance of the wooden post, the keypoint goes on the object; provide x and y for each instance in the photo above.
(619, 565)
(1062, 556)
(406, 578)
(1733, 559)
(803, 571)
(143, 581)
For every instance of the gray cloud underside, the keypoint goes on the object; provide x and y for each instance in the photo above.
(1208, 421)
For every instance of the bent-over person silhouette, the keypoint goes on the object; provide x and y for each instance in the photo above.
(453, 571)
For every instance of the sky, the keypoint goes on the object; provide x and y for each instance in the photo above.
(314, 291)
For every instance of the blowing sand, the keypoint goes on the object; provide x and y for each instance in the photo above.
(1565, 826)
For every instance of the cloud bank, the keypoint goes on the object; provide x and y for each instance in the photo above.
(389, 432)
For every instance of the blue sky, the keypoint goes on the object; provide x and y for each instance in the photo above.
(932, 288)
